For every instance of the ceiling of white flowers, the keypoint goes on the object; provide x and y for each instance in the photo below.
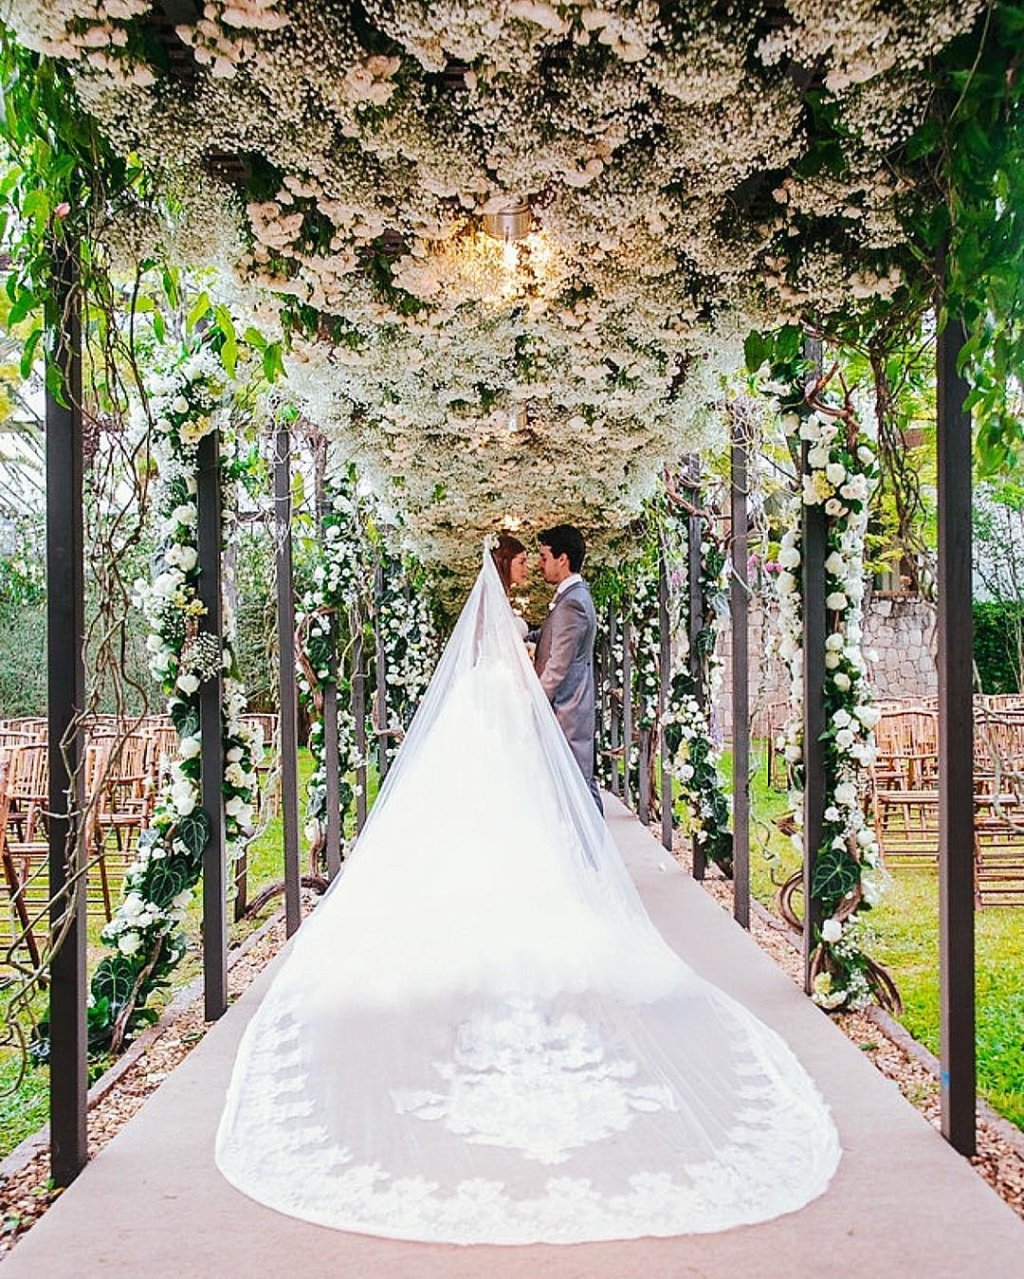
(337, 161)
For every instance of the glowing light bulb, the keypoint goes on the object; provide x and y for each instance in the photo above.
(510, 256)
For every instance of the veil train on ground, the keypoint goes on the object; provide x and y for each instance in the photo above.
(480, 1037)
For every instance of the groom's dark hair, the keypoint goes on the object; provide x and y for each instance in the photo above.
(565, 539)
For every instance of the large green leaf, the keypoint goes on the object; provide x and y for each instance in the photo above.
(165, 879)
(194, 832)
(835, 874)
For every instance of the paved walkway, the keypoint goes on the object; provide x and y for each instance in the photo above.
(902, 1204)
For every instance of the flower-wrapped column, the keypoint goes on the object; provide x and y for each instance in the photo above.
(695, 681)
(186, 403)
(837, 473)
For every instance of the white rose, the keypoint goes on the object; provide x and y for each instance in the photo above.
(865, 455)
(790, 423)
(831, 930)
(842, 718)
(868, 715)
(832, 660)
(183, 797)
(129, 943)
(188, 557)
(185, 514)
(818, 456)
(834, 643)
(837, 601)
(835, 473)
(841, 681)
(845, 739)
(833, 507)
(190, 747)
(187, 683)
(846, 794)
(789, 557)
(835, 564)
(785, 583)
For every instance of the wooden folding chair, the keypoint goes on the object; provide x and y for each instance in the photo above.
(907, 826)
(999, 854)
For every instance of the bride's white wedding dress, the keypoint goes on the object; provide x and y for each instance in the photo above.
(480, 1037)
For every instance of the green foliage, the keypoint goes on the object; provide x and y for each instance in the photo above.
(23, 660)
(998, 628)
(256, 616)
(982, 156)
(836, 873)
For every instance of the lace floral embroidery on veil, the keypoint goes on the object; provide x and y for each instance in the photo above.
(541, 1085)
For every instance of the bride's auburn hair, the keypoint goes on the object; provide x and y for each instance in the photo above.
(503, 554)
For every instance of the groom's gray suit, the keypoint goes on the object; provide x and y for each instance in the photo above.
(565, 665)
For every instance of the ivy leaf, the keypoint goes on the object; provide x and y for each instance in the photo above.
(273, 364)
(28, 352)
(24, 303)
(924, 141)
(755, 350)
(166, 877)
(199, 310)
(113, 980)
(185, 719)
(835, 874)
(194, 832)
(37, 207)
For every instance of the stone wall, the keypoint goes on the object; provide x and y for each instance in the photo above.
(901, 630)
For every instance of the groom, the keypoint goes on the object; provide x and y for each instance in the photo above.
(565, 646)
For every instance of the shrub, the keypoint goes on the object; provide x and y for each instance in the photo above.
(998, 631)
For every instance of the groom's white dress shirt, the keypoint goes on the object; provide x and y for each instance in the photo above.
(571, 580)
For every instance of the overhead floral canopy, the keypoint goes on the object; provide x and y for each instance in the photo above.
(517, 245)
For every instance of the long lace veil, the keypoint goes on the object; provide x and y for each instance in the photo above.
(479, 1035)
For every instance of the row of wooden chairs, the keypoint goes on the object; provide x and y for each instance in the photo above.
(907, 827)
(123, 768)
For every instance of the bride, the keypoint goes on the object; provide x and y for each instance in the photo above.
(480, 1037)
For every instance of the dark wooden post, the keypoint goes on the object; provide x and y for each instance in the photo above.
(627, 711)
(643, 806)
(664, 692)
(695, 620)
(65, 622)
(381, 674)
(615, 710)
(813, 552)
(740, 682)
(956, 748)
(215, 880)
(286, 700)
(358, 686)
(332, 765)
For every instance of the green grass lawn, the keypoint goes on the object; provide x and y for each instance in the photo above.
(906, 928)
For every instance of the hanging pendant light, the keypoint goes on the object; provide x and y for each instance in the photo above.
(509, 223)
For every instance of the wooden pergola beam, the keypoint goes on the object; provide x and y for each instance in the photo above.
(958, 1084)
(211, 720)
(287, 700)
(65, 620)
